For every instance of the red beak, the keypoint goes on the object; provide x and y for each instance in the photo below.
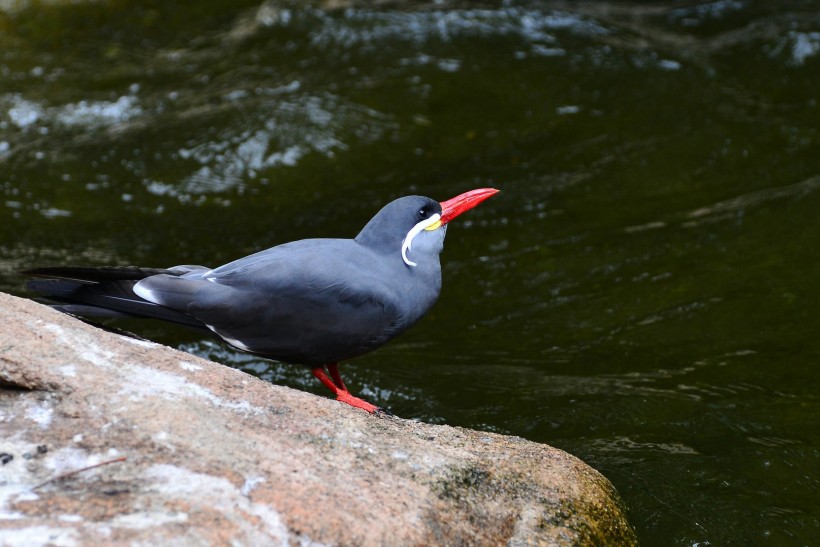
(453, 207)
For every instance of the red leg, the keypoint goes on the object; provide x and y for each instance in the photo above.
(340, 391)
(337, 378)
(319, 372)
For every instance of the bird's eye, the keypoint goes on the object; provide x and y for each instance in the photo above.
(422, 213)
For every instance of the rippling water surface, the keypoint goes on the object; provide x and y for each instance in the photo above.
(644, 292)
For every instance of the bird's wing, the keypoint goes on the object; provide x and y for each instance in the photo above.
(312, 302)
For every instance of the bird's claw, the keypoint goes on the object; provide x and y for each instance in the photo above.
(383, 413)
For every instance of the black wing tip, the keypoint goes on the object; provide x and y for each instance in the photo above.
(94, 274)
(39, 272)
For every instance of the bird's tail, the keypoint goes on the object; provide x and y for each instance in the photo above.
(105, 292)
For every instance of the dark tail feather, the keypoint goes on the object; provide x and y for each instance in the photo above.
(97, 275)
(104, 292)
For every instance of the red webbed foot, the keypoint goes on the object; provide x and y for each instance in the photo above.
(337, 386)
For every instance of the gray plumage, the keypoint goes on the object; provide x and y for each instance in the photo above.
(310, 302)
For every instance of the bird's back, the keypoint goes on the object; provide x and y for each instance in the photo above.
(311, 302)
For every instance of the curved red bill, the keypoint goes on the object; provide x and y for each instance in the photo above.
(453, 207)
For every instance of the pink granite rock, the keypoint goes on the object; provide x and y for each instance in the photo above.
(107, 439)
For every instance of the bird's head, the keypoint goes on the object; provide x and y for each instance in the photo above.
(416, 225)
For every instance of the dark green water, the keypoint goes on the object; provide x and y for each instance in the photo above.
(644, 293)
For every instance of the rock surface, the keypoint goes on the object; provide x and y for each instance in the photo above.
(107, 439)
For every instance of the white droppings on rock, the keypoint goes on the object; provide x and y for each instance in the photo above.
(148, 519)
(11, 515)
(69, 459)
(41, 415)
(250, 484)
(163, 439)
(84, 345)
(187, 365)
(218, 492)
(141, 343)
(40, 535)
(147, 382)
(143, 381)
(16, 476)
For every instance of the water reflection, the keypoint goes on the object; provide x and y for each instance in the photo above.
(302, 125)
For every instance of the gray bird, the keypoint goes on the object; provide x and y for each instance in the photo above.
(313, 302)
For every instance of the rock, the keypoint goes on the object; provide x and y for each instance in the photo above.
(107, 439)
